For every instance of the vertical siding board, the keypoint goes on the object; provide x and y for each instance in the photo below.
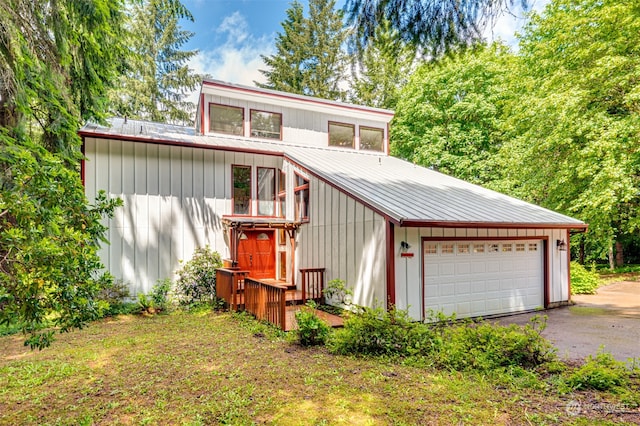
(128, 229)
(153, 190)
(140, 227)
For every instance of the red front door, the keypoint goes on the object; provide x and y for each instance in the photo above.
(256, 254)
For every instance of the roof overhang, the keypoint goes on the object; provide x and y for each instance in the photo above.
(579, 227)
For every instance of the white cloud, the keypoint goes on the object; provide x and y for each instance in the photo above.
(505, 27)
(237, 60)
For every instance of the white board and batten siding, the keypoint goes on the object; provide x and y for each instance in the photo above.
(479, 284)
(347, 239)
(174, 198)
(299, 126)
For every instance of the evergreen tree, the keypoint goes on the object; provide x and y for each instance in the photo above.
(57, 60)
(157, 80)
(383, 69)
(309, 58)
(431, 26)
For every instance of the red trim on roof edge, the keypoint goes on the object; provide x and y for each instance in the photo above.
(178, 143)
(414, 223)
(302, 98)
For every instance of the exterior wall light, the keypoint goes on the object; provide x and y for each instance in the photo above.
(561, 245)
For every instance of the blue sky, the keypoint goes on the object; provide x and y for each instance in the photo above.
(232, 34)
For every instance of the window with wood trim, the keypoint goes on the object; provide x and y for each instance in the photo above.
(371, 139)
(266, 191)
(241, 190)
(266, 124)
(226, 119)
(342, 135)
(301, 194)
(282, 195)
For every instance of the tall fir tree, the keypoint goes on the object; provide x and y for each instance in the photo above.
(57, 60)
(382, 70)
(309, 58)
(158, 79)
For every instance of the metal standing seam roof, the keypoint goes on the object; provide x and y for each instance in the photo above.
(406, 193)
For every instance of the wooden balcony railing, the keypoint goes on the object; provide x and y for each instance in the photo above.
(312, 284)
(230, 284)
(266, 302)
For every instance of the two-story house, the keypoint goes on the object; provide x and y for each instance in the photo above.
(277, 182)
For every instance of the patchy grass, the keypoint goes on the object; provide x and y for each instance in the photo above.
(210, 368)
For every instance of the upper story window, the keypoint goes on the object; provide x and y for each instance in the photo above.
(266, 191)
(341, 134)
(301, 192)
(266, 124)
(371, 139)
(241, 190)
(226, 119)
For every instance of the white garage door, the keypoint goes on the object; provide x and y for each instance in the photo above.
(480, 278)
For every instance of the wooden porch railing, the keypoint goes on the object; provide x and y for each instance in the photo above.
(230, 286)
(312, 284)
(266, 302)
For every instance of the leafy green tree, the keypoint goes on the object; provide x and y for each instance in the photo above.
(157, 80)
(309, 58)
(449, 114)
(383, 69)
(573, 135)
(431, 26)
(57, 60)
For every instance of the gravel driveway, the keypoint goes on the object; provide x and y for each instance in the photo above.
(608, 319)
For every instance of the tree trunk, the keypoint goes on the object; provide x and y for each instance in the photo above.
(619, 254)
(611, 263)
(581, 253)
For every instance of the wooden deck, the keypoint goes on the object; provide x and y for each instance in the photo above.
(273, 300)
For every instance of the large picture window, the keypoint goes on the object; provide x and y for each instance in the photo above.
(226, 119)
(266, 124)
(241, 190)
(266, 191)
(371, 139)
(301, 192)
(341, 134)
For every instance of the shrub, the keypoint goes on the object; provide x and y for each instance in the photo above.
(311, 329)
(197, 278)
(380, 332)
(160, 293)
(338, 291)
(113, 298)
(600, 373)
(583, 281)
(484, 346)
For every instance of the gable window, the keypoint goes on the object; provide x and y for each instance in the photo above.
(341, 134)
(226, 119)
(301, 193)
(266, 124)
(371, 139)
(266, 191)
(282, 194)
(241, 190)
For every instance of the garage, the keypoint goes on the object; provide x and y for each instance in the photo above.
(474, 278)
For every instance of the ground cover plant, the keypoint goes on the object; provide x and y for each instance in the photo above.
(205, 367)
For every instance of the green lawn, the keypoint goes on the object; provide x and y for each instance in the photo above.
(213, 368)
